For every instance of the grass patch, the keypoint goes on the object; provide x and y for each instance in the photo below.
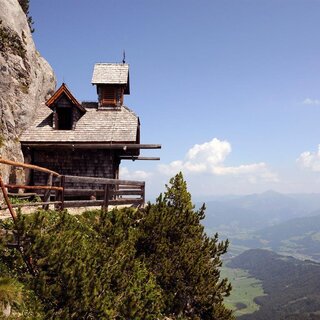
(24, 199)
(11, 42)
(244, 290)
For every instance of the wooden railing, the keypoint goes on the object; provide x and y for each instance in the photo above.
(57, 191)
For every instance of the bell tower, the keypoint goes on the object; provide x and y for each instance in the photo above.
(112, 81)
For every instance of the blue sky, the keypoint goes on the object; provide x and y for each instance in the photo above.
(231, 89)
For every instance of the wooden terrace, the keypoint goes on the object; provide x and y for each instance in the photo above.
(58, 191)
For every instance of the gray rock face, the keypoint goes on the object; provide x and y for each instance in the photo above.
(26, 82)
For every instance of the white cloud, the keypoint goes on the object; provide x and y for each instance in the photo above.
(125, 174)
(310, 160)
(209, 158)
(311, 101)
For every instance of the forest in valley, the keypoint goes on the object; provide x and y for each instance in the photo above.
(280, 281)
(291, 286)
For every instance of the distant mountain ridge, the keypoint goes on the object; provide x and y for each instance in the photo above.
(257, 211)
(286, 223)
(299, 237)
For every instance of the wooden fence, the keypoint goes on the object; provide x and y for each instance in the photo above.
(60, 189)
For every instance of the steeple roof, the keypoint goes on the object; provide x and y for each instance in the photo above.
(111, 73)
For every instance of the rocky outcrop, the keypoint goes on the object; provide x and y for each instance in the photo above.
(26, 82)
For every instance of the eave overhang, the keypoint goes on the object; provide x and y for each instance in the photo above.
(92, 145)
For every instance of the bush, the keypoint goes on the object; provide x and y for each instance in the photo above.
(125, 264)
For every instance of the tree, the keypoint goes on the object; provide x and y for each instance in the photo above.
(85, 266)
(183, 258)
(25, 7)
(132, 264)
(10, 293)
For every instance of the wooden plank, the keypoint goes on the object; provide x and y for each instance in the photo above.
(97, 180)
(29, 166)
(86, 145)
(134, 158)
(130, 187)
(99, 192)
(16, 186)
(82, 203)
(83, 192)
(127, 192)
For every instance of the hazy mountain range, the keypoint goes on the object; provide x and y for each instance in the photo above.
(286, 223)
(259, 210)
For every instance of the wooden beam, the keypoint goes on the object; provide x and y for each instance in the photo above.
(82, 203)
(133, 158)
(90, 192)
(28, 166)
(127, 192)
(90, 145)
(96, 180)
(83, 192)
(121, 187)
(17, 186)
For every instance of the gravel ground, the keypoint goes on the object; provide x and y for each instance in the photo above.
(4, 214)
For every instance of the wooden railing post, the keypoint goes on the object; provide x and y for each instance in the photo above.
(105, 204)
(47, 193)
(62, 184)
(60, 194)
(143, 189)
(6, 198)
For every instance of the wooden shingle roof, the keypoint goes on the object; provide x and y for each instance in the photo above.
(95, 126)
(110, 73)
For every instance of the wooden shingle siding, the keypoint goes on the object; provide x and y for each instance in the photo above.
(90, 163)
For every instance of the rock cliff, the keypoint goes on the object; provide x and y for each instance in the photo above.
(26, 82)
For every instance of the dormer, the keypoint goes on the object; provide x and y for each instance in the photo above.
(66, 109)
(112, 81)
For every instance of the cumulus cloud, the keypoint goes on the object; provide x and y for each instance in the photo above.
(311, 101)
(310, 160)
(126, 174)
(209, 157)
